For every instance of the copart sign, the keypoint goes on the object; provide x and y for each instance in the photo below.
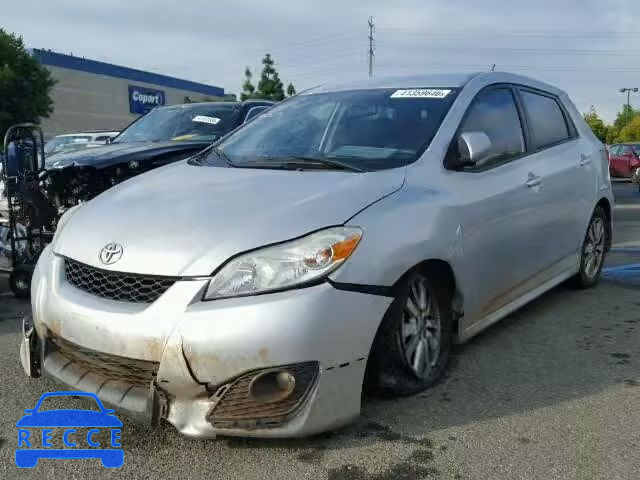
(143, 99)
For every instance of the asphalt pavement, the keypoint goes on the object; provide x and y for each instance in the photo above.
(551, 392)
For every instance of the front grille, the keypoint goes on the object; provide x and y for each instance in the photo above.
(235, 409)
(125, 287)
(135, 372)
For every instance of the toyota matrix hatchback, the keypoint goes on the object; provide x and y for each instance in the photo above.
(354, 231)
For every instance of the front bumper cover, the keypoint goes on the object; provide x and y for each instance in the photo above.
(200, 347)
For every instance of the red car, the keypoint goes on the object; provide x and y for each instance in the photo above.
(624, 161)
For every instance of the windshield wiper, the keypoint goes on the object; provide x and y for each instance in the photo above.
(306, 162)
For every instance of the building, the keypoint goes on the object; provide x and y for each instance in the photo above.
(92, 95)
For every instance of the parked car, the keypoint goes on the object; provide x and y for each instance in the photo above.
(75, 141)
(624, 161)
(164, 135)
(345, 238)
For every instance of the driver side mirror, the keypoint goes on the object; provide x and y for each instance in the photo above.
(472, 148)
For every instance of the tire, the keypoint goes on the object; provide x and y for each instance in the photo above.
(20, 281)
(390, 369)
(597, 232)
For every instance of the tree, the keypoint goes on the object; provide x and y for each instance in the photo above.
(291, 91)
(270, 87)
(631, 131)
(248, 90)
(600, 130)
(25, 85)
(624, 117)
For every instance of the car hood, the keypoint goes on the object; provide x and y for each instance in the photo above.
(186, 220)
(108, 155)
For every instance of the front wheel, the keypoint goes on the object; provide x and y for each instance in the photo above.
(411, 349)
(20, 281)
(593, 251)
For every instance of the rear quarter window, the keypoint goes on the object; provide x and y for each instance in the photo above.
(547, 121)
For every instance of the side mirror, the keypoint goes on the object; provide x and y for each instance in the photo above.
(472, 147)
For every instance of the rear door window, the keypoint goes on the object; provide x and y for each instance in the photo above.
(625, 150)
(547, 122)
(495, 113)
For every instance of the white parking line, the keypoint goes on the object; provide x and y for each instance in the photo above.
(627, 206)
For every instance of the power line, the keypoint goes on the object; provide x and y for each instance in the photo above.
(508, 66)
(509, 50)
(371, 30)
(506, 33)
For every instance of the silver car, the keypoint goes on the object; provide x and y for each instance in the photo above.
(343, 240)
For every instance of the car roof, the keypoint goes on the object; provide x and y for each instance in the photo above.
(88, 134)
(257, 101)
(442, 80)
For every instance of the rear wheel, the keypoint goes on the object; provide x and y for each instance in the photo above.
(411, 349)
(593, 251)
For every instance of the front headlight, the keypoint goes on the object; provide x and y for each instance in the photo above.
(289, 264)
(63, 221)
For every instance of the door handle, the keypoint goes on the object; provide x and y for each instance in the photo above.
(533, 181)
(584, 159)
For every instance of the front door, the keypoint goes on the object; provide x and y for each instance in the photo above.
(501, 207)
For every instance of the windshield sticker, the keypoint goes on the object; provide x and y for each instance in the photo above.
(205, 119)
(420, 93)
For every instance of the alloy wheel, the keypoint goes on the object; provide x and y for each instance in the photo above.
(421, 329)
(594, 247)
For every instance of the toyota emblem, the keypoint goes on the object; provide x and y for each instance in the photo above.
(110, 253)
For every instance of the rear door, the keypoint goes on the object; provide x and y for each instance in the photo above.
(566, 166)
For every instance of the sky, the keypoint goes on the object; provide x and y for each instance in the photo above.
(589, 48)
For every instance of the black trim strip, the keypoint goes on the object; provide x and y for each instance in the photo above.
(362, 288)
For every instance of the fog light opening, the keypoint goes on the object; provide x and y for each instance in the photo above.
(271, 386)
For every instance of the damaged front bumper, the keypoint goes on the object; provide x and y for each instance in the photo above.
(193, 363)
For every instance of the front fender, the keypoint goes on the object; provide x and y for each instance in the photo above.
(401, 231)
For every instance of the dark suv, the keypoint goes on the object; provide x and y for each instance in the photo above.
(164, 135)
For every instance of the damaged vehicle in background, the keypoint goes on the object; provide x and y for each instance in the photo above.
(343, 239)
(164, 135)
(70, 142)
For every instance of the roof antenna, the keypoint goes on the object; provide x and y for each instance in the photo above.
(493, 67)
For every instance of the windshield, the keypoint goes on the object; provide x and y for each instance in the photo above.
(203, 122)
(368, 129)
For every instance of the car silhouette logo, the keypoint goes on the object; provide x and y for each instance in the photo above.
(35, 430)
(111, 253)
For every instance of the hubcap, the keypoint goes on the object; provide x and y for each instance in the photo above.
(594, 248)
(420, 329)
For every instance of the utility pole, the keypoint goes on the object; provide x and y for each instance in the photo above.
(628, 92)
(371, 30)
